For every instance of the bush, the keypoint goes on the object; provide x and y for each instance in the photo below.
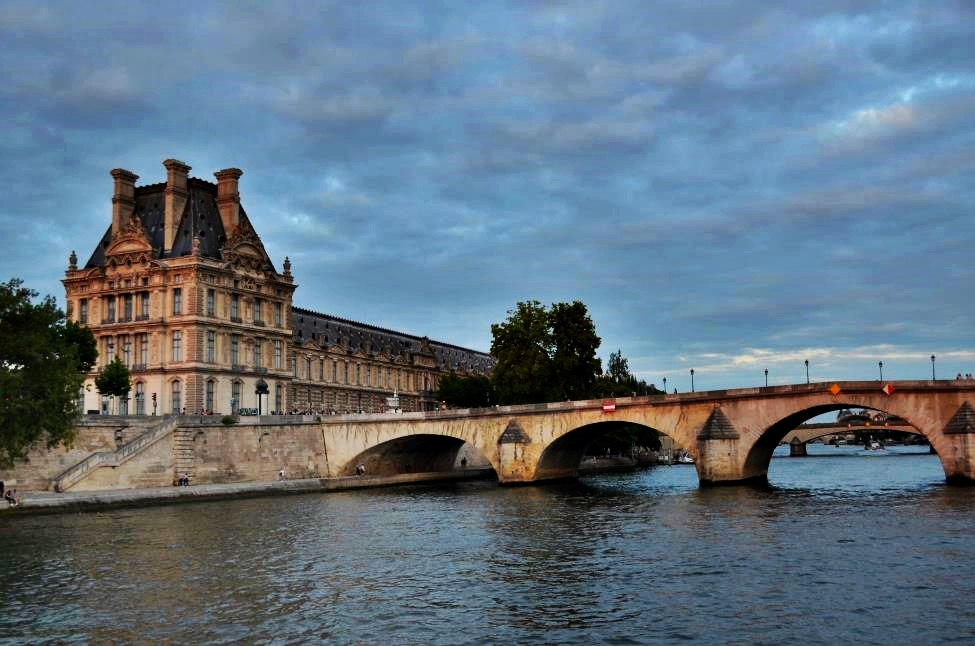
(229, 420)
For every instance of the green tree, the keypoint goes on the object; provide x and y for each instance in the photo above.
(81, 338)
(474, 391)
(618, 368)
(574, 362)
(41, 371)
(543, 355)
(114, 380)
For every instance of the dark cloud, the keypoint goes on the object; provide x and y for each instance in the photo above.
(727, 186)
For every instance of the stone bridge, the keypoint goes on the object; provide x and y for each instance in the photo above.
(730, 433)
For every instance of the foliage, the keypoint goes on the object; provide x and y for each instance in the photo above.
(81, 338)
(114, 380)
(41, 371)
(474, 391)
(228, 420)
(574, 362)
(618, 368)
(623, 438)
(544, 355)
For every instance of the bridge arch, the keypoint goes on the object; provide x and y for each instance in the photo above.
(562, 457)
(416, 453)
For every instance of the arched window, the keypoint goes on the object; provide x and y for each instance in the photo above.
(140, 398)
(177, 397)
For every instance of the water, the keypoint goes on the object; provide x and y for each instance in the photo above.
(846, 547)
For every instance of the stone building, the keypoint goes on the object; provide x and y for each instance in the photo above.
(181, 290)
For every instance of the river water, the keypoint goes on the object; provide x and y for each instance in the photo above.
(844, 547)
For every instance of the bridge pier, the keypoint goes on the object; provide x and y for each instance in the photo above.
(797, 448)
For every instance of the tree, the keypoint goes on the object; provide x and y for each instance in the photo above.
(544, 355)
(474, 391)
(114, 380)
(42, 367)
(81, 338)
(618, 368)
(574, 361)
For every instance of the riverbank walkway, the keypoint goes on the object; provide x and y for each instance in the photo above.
(71, 501)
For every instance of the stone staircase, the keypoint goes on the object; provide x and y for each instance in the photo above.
(124, 453)
(183, 461)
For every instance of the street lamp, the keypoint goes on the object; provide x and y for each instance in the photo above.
(692, 379)
(766, 377)
(665, 385)
(881, 364)
(807, 370)
(932, 368)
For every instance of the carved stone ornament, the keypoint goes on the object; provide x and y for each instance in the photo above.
(130, 244)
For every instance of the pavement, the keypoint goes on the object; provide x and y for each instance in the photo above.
(68, 501)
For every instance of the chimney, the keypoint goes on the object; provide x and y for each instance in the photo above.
(123, 198)
(176, 196)
(228, 198)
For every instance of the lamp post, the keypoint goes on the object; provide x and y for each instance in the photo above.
(766, 377)
(807, 370)
(665, 385)
(692, 379)
(932, 368)
(881, 365)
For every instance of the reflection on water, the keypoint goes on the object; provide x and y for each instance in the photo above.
(840, 548)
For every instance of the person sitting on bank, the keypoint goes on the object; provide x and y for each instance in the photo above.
(10, 495)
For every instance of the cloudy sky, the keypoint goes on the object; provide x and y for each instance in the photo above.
(729, 187)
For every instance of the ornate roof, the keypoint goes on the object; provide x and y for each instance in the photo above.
(199, 227)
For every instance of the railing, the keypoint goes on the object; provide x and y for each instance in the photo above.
(75, 474)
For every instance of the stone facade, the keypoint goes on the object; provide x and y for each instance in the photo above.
(181, 289)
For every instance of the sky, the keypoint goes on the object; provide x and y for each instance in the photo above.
(729, 187)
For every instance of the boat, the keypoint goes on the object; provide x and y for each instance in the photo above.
(684, 458)
(873, 445)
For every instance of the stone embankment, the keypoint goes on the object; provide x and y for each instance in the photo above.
(71, 501)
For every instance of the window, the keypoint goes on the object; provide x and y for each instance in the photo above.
(345, 370)
(83, 310)
(235, 397)
(177, 397)
(258, 311)
(144, 306)
(235, 308)
(277, 315)
(321, 370)
(368, 375)
(277, 355)
(177, 301)
(140, 398)
(308, 367)
(127, 350)
(111, 310)
(127, 307)
(358, 374)
(211, 302)
(211, 346)
(278, 404)
(177, 345)
(258, 353)
(294, 364)
(142, 349)
(208, 399)
(234, 349)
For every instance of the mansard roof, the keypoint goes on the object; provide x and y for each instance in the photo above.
(200, 220)
(328, 331)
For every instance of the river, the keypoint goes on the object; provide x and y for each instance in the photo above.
(844, 547)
